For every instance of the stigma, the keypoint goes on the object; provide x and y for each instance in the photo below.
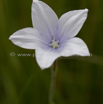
(55, 43)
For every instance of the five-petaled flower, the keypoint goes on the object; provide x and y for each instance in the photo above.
(52, 37)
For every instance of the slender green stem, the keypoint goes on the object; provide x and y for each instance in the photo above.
(53, 80)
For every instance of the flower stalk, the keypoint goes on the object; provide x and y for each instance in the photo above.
(53, 82)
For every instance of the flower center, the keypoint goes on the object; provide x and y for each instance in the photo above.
(55, 43)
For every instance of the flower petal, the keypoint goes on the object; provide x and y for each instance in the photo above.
(46, 57)
(74, 46)
(35, 0)
(28, 38)
(70, 23)
(44, 19)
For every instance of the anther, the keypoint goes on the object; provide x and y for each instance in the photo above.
(54, 44)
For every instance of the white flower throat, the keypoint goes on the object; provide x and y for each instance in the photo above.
(55, 43)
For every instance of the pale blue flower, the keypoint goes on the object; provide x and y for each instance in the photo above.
(52, 37)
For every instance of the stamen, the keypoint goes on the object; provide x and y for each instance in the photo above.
(54, 44)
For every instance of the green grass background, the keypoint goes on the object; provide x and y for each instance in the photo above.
(79, 80)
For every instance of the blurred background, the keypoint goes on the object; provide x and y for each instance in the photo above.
(79, 79)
